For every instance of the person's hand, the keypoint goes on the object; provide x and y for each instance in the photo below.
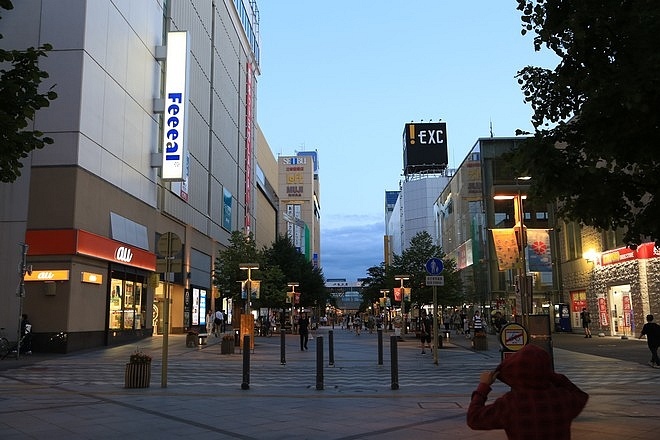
(488, 377)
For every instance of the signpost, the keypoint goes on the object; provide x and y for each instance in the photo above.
(434, 267)
(168, 246)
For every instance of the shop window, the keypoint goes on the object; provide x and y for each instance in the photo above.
(126, 299)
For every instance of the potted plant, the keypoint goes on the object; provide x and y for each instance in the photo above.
(227, 344)
(138, 370)
(192, 338)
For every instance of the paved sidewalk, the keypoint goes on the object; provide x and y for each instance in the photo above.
(81, 395)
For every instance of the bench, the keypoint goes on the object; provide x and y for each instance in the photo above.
(201, 338)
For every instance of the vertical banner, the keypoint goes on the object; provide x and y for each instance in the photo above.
(255, 287)
(226, 209)
(506, 248)
(603, 315)
(627, 311)
(538, 250)
(248, 146)
(397, 294)
(176, 103)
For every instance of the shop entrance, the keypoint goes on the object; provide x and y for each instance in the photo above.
(620, 310)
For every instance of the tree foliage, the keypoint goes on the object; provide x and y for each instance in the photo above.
(594, 148)
(20, 78)
(279, 264)
(412, 262)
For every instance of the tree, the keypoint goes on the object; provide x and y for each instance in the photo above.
(412, 262)
(227, 272)
(595, 116)
(20, 99)
(296, 268)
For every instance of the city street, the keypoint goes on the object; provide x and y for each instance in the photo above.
(82, 395)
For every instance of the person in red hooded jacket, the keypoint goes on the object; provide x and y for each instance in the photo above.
(540, 405)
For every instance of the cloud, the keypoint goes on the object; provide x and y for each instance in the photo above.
(350, 244)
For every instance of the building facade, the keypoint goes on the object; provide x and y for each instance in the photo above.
(113, 236)
(478, 204)
(300, 203)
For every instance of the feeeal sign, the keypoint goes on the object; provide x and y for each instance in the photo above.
(424, 147)
(176, 101)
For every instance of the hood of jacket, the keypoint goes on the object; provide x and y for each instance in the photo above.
(530, 367)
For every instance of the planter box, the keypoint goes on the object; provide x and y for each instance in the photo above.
(137, 376)
(191, 341)
(227, 346)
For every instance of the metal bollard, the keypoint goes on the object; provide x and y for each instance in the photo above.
(394, 363)
(380, 346)
(319, 362)
(282, 347)
(331, 348)
(245, 385)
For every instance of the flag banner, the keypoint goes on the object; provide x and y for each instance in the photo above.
(506, 248)
(397, 294)
(538, 250)
(406, 293)
(255, 286)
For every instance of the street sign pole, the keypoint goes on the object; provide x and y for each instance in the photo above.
(435, 325)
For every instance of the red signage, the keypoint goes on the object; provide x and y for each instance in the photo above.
(76, 241)
(643, 252)
(602, 312)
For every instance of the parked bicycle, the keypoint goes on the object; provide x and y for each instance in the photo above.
(6, 346)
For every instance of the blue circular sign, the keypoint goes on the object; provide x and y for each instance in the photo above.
(434, 266)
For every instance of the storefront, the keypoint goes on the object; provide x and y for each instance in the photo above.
(623, 290)
(86, 290)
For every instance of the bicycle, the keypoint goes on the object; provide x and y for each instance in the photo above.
(7, 347)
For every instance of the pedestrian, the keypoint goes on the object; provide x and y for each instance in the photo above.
(303, 330)
(219, 321)
(26, 335)
(210, 326)
(585, 317)
(357, 324)
(477, 323)
(426, 326)
(652, 332)
(540, 405)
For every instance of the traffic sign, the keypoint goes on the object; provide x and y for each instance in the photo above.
(435, 280)
(434, 266)
(513, 337)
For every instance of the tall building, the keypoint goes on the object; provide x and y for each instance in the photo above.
(152, 168)
(300, 203)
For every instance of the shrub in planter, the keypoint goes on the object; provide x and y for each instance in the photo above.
(138, 370)
(227, 344)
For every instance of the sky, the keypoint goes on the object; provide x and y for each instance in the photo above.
(343, 77)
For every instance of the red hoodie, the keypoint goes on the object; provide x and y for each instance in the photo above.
(541, 404)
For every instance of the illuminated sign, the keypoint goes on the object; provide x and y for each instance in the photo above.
(425, 147)
(123, 254)
(89, 277)
(47, 275)
(176, 100)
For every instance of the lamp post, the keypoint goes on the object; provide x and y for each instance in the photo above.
(248, 267)
(402, 278)
(385, 292)
(521, 239)
(293, 286)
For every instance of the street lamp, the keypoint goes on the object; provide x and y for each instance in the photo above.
(402, 278)
(385, 292)
(292, 296)
(248, 267)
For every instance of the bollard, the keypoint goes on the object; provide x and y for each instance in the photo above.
(394, 363)
(380, 346)
(246, 363)
(282, 347)
(331, 348)
(319, 362)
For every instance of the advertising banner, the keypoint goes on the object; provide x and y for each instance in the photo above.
(506, 248)
(538, 250)
(424, 146)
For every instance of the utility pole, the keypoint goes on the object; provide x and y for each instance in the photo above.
(23, 269)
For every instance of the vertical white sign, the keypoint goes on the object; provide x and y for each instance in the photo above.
(176, 102)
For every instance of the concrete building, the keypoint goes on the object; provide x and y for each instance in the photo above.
(480, 202)
(300, 203)
(154, 133)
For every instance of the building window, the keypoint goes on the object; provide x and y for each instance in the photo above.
(573, 241)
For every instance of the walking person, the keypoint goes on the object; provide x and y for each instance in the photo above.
(477, 323)
(540, 405)
(303, 330)
(25, 345)
(210, 326)
(585, 317)
(652, 332)
(426, 326)
(219, 322)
